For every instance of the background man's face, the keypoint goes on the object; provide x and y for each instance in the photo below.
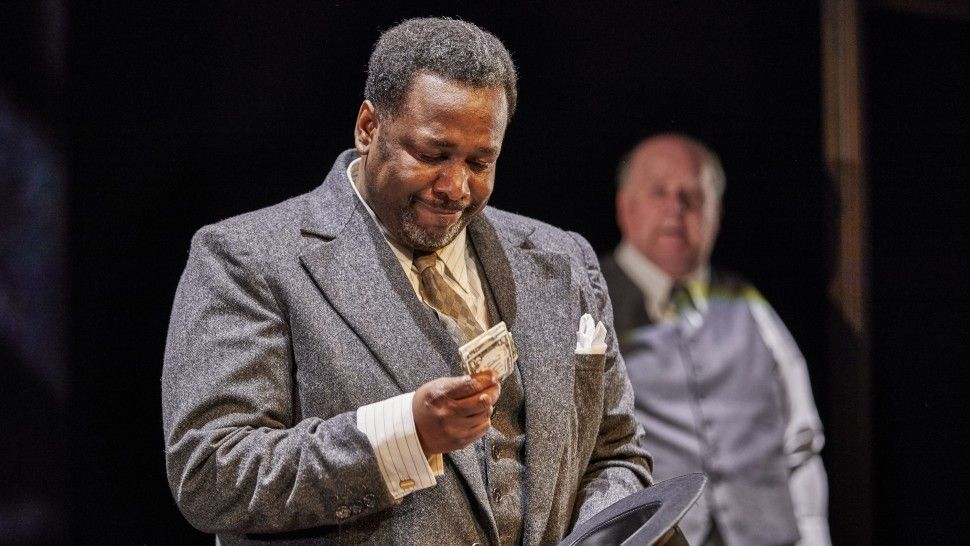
(664, 209)
(429, 169)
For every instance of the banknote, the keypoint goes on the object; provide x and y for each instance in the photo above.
(493, 349)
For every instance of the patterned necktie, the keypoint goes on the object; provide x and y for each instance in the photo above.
(442, 297)
(678, 302)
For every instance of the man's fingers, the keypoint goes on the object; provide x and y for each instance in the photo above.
(468, 430)
(462, 387)
(481, 402)
(480, 430)
(452, 412)
(493, 393)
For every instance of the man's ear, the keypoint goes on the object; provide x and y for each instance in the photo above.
(365, 130)
(718, 212)
(622, 209)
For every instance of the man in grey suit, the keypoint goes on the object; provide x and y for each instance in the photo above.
(721, 387)
(312, 389)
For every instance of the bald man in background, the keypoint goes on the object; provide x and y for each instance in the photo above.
(720, 384)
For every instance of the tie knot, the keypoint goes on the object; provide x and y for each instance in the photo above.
(680, 298)
(423, 260)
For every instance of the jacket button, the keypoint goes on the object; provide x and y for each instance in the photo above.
(370, 500)
(343, 512)
(355, 508)
(497, 495)
(496, 453)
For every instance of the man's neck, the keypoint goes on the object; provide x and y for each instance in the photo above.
(655, 284)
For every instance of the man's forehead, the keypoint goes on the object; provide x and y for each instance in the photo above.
(667, 151)
(428, 89)
(657, 166)
(441, 116)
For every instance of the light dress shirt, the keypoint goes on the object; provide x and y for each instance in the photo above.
(389, 424)
(807, 480)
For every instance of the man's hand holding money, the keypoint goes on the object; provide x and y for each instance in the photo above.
(452, 412)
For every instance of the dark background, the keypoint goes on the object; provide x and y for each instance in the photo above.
(168, 117)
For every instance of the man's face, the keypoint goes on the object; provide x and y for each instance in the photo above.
(430, 168)
(664, 209)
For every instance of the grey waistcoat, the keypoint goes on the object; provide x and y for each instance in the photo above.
(501, 450)
(707, 395)
(501, 455)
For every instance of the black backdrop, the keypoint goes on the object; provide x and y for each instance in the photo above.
(919, 118)
(180, 115)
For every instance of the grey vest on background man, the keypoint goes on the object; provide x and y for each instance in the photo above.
(707, 398)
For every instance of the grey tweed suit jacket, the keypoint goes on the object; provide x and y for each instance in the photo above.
(287, 319)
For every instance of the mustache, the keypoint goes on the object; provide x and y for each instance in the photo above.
(447, 205)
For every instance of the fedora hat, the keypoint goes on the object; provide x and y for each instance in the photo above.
(647, 517)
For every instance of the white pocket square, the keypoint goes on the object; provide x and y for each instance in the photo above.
(590, 338)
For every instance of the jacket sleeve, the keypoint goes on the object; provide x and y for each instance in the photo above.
(237, 460)
(618, 466)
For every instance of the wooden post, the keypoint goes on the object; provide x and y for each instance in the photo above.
(849, 454)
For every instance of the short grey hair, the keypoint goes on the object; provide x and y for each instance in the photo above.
(711, 169)
(454, 49)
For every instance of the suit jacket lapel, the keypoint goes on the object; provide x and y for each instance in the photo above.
(531, 289)
(354, 271)
(359, 275)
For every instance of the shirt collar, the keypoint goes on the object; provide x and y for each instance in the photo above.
(655, 284)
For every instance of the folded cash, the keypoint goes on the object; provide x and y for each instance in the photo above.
(493, 349)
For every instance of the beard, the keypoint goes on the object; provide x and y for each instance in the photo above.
(418, 237)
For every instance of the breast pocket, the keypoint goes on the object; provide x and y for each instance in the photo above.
(589, 363)
(588, 392)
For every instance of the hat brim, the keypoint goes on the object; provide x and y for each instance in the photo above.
(642, 518)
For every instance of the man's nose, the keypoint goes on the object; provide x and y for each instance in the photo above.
(452, 181)
(675, 202)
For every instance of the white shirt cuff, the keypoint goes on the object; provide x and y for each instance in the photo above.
(809, 495)
(389, 425)
(814, 531)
